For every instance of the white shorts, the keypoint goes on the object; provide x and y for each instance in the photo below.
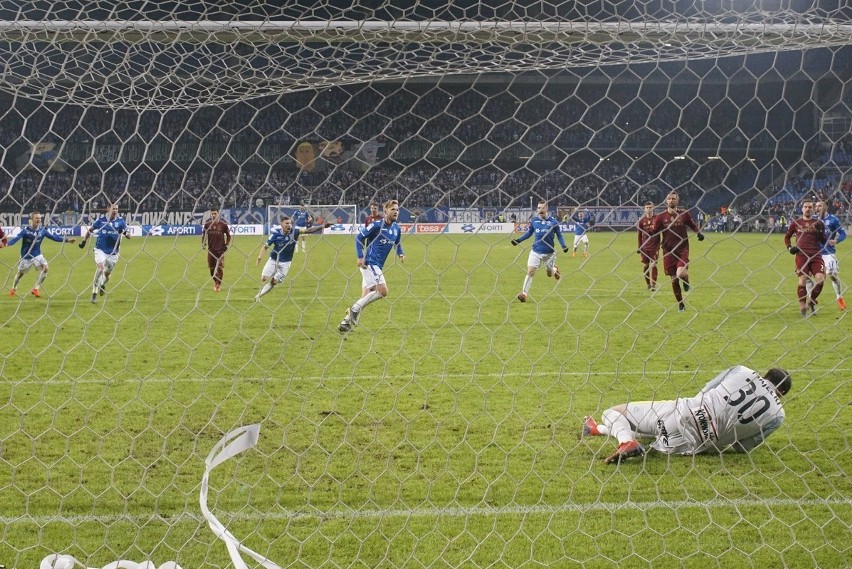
(38, 262)
(276, 269)
(108, 260)
(372, 276)
(832, 267)
(661, 421)
(581, 239)
(538, 259)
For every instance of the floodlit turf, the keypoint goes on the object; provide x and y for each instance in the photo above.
(442, 432)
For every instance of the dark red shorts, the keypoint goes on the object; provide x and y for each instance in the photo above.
(809, 265)
(673, 260)
(646, 256)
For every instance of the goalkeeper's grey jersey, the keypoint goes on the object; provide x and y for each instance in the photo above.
(737, 407)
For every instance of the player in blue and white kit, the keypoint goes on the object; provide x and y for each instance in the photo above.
(582, 223)
(836, 234)
(302, 220)
(282, 240)
(109, 228)
(31, 237)
(373, 244)
(543, 228)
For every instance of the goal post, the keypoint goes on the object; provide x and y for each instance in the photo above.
(344, 218)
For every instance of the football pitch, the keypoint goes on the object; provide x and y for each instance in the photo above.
(441, 432)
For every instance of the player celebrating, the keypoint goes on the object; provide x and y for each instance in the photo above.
(373, 244)
(582, 223)
(31, 237)
(543, 228)
(283, 241)
(110, 228)
(302, 220)
(374, 215)
(216, 238)
(737, 409)
(649, 246)
(671, 225)
(835, 234)
(810, 238)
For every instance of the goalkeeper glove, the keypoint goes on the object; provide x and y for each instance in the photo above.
(515, 242)
(793, 250)
(700, 236)
(565, 249)
(82, 244)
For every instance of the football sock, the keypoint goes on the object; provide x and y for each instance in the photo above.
(676, 290)
(817, 290)
(17, 280)
(41, 276)
(527, 284)
(809, 286)
(802, 293)
(97, 282)
(654, 276)
(647, 274)
(836, 284)
(266, 288)
(369, 298)
(616, 425)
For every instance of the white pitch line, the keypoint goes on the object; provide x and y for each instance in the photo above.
(454, 512)
(414, 375)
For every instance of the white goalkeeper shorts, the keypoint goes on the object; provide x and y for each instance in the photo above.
(39, 262)
(832, 267)
(538, 259)
(276, 269)
(372, 276)
(106, 259)
(581, 239)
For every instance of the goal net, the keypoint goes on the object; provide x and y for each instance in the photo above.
(155, 407)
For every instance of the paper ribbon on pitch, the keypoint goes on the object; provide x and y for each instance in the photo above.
(58, 561)
(232, 444)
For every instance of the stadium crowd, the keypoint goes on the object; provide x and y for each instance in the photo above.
(590, 129)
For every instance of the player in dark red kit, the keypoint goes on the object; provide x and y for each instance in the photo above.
(216, 238)
(671, 226)
(649, 246)
(374, 215)
(810, 237)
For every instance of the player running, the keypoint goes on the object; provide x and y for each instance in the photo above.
(373, 244)
(649, 246)
(810, 238)
(543, 228)
(835, 234)
(583, 221)
(282, 240)
(216, 238)
(671, 225)
(302, 219)
(31, 237)
(110, 228)
(737, 409)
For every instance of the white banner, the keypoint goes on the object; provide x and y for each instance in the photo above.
(254, 229)
(505, 228)
(341, 229)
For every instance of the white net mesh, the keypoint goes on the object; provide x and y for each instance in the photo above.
(442, 431)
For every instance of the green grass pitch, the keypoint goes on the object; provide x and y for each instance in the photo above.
(442, 432)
